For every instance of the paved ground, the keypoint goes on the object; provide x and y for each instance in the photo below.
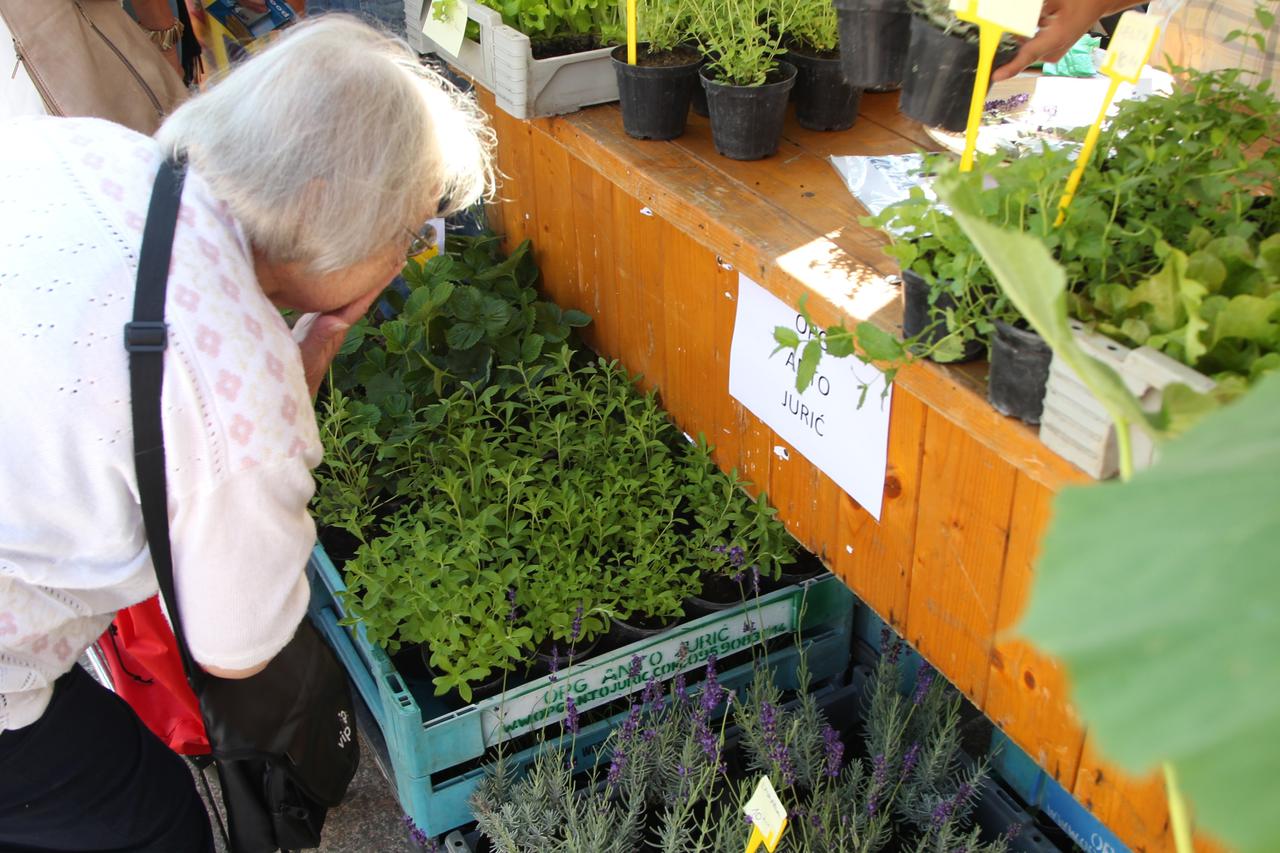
(369, 821)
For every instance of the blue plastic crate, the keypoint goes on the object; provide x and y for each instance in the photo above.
(436, 753)
(1041, 791)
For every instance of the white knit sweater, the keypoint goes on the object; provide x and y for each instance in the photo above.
(240, 435)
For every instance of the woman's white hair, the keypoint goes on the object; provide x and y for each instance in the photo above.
(333, 141)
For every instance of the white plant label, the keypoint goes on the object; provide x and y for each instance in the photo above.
(609, 677)
(1131, 46)
(1015, 16)
(848, 442)
(449, 31)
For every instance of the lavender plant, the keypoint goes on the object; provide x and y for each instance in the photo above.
(741, 37)
(662, 24)
(666, 770)
(814, 25)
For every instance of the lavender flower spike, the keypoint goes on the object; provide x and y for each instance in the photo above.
(575, 631)
(571, 715)
(923, 681)
(554, 664)
(910, 760)
(834, 749)
(633, 672)
(712, 692)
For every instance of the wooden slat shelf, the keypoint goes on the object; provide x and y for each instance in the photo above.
(648, 238)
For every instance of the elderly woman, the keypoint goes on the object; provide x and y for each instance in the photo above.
(311, 169)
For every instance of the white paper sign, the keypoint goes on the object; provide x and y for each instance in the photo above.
(848, 443)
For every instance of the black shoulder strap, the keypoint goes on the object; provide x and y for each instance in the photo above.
(146, 338)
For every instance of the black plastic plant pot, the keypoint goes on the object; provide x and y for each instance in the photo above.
(480, 690)
(941, 71)
(655, 97)
(556, 656)
(719, 592)
(873, 41)
(926, 323)
(746, 121)
(1019, 372)
(824, 99)
(698, 103)
(623, 632)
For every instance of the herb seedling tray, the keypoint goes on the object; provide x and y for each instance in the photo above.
(502, 61)
(436, 755)
(1076, 426)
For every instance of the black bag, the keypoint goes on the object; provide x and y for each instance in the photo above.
(284, 739)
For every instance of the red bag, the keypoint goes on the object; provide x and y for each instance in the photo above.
(147, 673)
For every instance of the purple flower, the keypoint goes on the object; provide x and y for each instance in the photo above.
(575, 631)
(775, 746)
(1012, 831)
(736, 556)
(719, 549)
(555, 662)
(616, 766)
(571, 715)
(712, 692)
(651, 692)
(736, 577)
(834, 749)
(631, 724)
(649, 734)
(910, 760)
(923, 681)
(879, 778)
(755, 581)
(511, 598)
(634, 671)
(941, 813)
(704, 736)
(880, 771)
(681, 691)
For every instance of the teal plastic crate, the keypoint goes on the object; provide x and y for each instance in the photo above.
(436, 754)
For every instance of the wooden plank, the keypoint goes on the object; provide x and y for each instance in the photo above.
(689, 318)
(516, 202)
(844, 272)
(875, 558)
(882, 109)
(640, 333)
(961, 534)
(793, 490)
(1134, 808)
(1028, 696)
(600, 292)
(555, 243)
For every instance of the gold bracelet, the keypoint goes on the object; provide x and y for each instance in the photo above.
(165, 39)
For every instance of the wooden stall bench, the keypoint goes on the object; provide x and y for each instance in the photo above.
(649, 238)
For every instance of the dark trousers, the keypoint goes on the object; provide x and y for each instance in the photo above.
(89, 776)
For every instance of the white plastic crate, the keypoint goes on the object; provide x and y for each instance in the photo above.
(502, 61)
(1077, 427)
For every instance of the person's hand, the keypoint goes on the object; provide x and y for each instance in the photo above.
(320, 336)
(1062, 22)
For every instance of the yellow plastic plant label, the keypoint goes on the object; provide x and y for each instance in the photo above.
(768, 817)
(1131, 46)
(1014, 16)
(446, 24)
